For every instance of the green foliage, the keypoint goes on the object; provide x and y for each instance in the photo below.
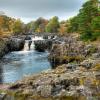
(87, 22)
(95, 24)
(73, 26)
(18, 27)
(86, 36)
(53, 25)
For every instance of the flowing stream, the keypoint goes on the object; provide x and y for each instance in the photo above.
(15, 65)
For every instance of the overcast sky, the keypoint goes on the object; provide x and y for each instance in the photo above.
(29, 10)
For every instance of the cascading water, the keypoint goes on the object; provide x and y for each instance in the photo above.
(21, 63)
(26, 46)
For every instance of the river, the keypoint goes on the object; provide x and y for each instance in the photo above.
(15, 65)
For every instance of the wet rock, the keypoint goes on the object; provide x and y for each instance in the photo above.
(45, 37)
(28, 38)
(43, 45)
(15, 44)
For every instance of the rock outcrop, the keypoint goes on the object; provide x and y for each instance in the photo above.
(69, 50)
(43, 45)
(10, 44)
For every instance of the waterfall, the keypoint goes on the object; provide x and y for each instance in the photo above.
(26, 46)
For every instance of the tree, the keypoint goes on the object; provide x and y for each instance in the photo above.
(6, 24)
(1, 23)
(72, 25)
(62, 28)
(53, 25)
(39, 24)
(95, 26)
(86, 15)
(82, 22)
(18, 27)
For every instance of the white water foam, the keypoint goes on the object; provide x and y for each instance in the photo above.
(26, 47)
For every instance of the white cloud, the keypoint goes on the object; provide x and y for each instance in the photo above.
(32, 9)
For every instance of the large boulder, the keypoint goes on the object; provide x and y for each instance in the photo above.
(15, 44)
(43, 45)
(10, 44)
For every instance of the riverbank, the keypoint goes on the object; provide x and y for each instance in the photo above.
(58, 84)
(76, 79)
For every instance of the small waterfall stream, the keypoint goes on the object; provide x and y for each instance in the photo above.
(26, 46)
(18, 64)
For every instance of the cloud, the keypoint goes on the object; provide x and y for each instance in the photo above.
(32, 9)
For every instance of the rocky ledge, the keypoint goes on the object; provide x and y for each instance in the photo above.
(10, 44)
(43, 45)
(62, 83)
(71, 50)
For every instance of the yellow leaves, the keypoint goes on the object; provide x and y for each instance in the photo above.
(1, 20)
(62, 29)
(5, 25)
(96, 67)
(96, 82)
(1, 23)
(82, 81)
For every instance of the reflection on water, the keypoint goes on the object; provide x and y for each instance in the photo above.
(15, 65)
(18, 64)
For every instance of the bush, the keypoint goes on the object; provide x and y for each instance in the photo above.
(86, 36)
(89, 36)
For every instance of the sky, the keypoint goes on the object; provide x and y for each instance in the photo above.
(28, 10)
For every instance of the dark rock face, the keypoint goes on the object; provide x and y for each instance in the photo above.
(40, 45)
(10, 44)
(3, 47)
(49, 37)
(15, 44)
(45, 37)
(43, 45)
(27, 38)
